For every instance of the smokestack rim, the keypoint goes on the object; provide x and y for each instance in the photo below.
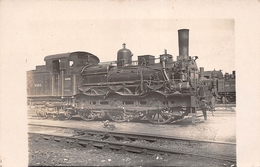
(184, 29)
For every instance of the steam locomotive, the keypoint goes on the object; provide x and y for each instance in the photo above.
(223, 86)
(77, 83)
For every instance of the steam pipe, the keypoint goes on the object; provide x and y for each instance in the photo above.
(163, 59)
(62, 83)
(201, 72)
(74, 84)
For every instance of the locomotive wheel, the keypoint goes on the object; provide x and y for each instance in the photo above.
(224, 100)
(87, 116)
(176, 118)
(85, 113)
(117, 116)
(158, 117)
(43, 114)
(40, 112)
(37, 111)
(231, 99)
(66, 116)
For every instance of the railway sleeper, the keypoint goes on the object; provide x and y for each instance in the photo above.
(121, 147)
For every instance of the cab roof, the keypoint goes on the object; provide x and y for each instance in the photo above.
(67, 55)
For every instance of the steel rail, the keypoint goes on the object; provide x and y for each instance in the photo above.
(223, 105)
(135, 136)
(124, 146)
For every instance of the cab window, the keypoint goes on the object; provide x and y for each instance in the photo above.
(71, 63)
(56, 66)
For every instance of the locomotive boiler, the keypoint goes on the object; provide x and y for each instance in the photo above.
(78, 83)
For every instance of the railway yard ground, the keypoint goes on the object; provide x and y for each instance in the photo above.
(220, 127)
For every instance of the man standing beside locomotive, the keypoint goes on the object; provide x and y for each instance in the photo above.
(212, 104)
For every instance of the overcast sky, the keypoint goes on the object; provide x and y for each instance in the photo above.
(43, 29)
(210, 39)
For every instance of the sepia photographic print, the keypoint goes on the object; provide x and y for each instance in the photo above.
(127, 83)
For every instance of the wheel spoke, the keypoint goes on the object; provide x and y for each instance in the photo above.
(154, 116)
(162, 117)
(158, 118)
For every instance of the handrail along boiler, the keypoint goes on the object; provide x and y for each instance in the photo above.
(78, 84)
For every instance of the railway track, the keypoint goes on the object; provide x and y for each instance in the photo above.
(97, 138)
(225, 105)
(133, 136)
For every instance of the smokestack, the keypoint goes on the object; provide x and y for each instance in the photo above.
(183, 42)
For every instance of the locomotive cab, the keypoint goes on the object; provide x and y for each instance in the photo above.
(70, 62)
(60, 75)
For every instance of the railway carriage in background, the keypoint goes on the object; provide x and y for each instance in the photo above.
(223, 86)
(78, 84)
